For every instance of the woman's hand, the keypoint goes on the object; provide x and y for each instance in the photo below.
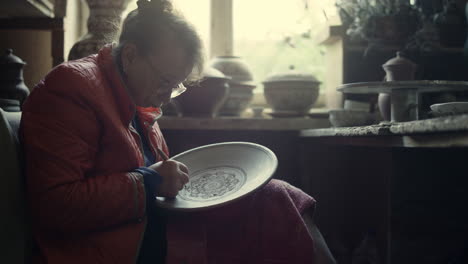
(174, 176)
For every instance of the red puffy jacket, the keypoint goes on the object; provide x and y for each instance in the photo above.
(86, 204)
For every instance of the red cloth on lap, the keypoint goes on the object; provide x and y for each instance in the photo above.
(264, 227)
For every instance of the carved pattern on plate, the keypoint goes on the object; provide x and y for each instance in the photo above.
(213, 183)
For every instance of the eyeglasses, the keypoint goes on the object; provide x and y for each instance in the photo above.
(177, 89)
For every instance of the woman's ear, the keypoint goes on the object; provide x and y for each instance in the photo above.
(129, 54)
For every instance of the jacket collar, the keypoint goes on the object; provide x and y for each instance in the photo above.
(149, 115)
(123, 100)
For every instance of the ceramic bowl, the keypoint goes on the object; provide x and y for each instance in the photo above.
(221, 173)
(452, 108)
(292, 97)
(291, 91)
(350, 118)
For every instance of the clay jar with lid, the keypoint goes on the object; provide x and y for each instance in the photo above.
(291, 91)
(398, 68)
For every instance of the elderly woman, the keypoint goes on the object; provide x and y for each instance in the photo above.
(93, 164)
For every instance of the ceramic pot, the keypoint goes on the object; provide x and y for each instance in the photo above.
(11, 77)
(241, 84)
(206, 98)
(292, 92)
(103, 16)
(396, 69)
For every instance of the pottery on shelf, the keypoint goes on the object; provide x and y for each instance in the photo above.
(205, 98)
(12, 85)
(398, 68)
(291, 92)
(241, 84)
(104, 15)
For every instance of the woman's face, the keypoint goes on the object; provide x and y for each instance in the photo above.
(151, 78)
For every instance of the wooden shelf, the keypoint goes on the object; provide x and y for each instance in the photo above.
(40, 23)
(26, 8)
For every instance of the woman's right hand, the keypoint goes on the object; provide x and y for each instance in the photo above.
(174, 176)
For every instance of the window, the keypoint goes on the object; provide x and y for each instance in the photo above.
(196, 11)
(274, 35)
(269, 35)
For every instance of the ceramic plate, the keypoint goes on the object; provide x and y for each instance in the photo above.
(221, 173)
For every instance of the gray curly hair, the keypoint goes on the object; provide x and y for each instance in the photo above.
(151, 22)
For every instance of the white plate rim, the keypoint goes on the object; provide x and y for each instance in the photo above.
(444, 107)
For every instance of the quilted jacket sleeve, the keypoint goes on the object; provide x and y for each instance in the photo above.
(60, 135)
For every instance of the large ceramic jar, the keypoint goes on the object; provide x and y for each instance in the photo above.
(104, 18)
(291, 92)
(241, 84)
(205, 98)
(12, 85)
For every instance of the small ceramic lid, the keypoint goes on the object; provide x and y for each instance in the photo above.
(399, 60)
(210, 72)
(291, 76)
(235, 68)
(9, 58)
